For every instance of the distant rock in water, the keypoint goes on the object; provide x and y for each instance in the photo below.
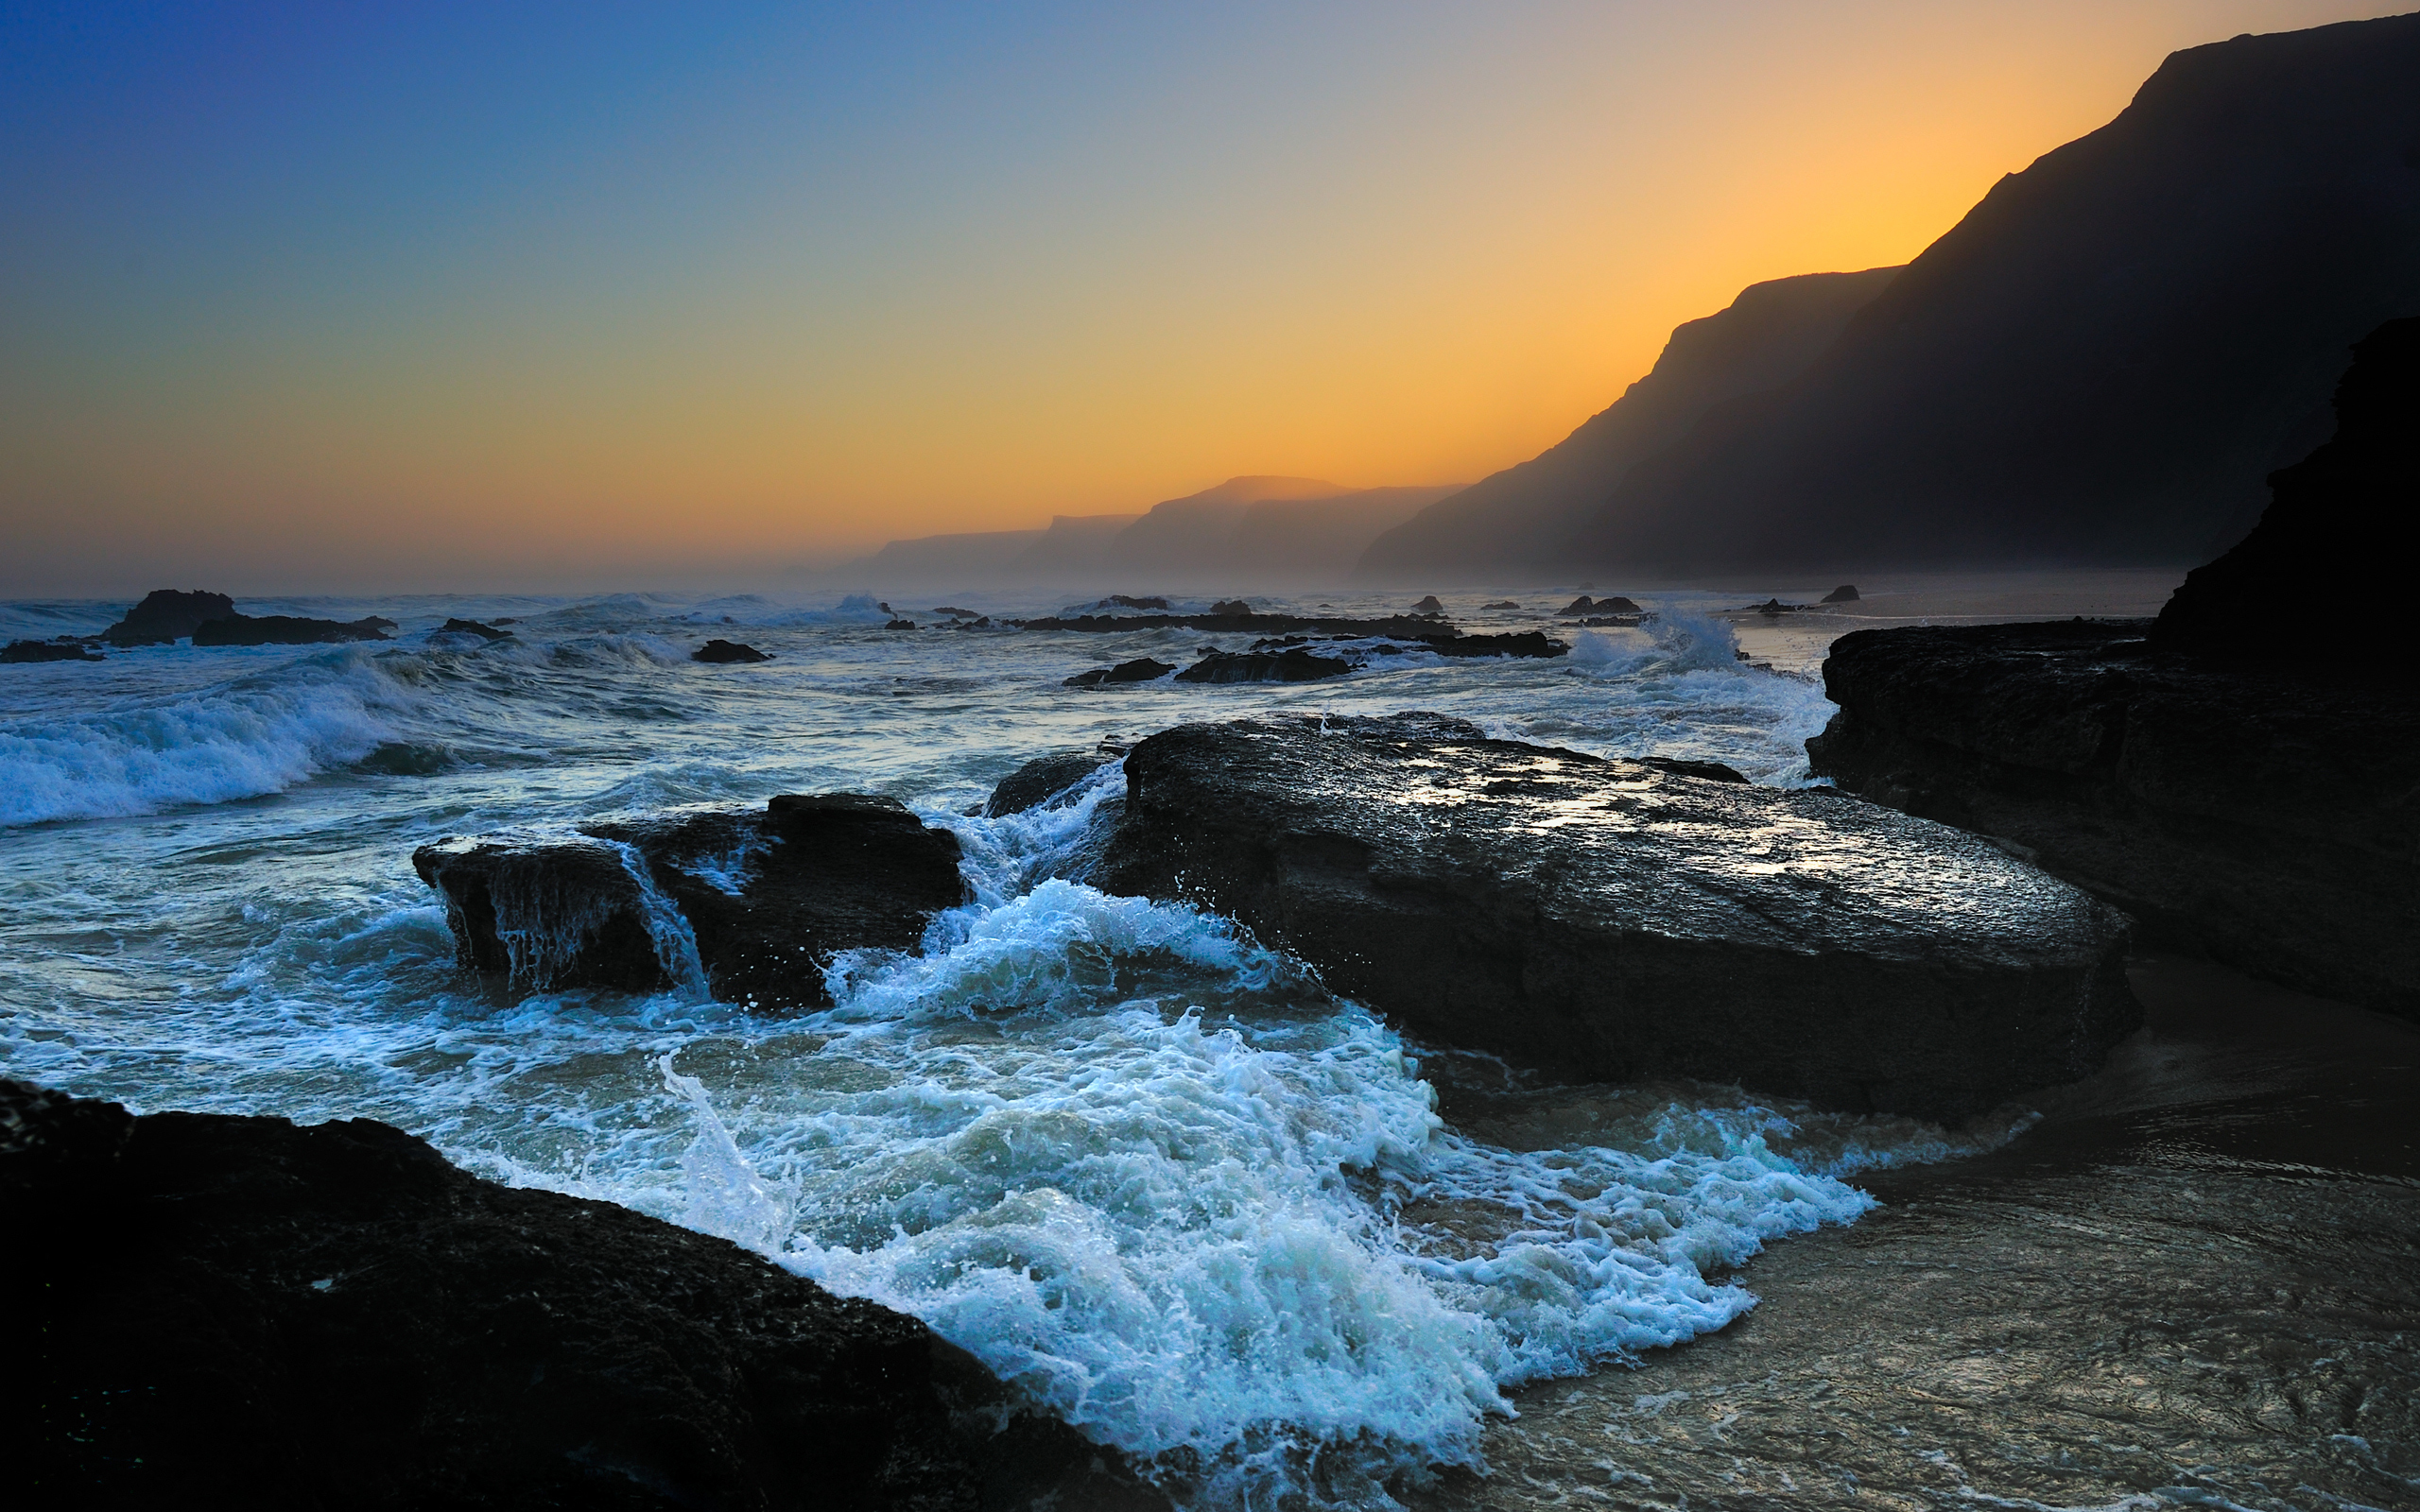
(1428, 606)
(485, 632)
(1235, 607)
(720, 653)
(2258, 813)
(166, 615)
(1142, 669)
(1043, 782)
(333, 1316)
(1615, 603)
(1293, 665)
(1521, 644)
(46, 652)
(1845, 593)
(1501, 603)
(289, 629)
(1800, 942)
(902, 623)
(751, 907)
(2356, 490)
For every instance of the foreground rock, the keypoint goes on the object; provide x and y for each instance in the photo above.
(724, 653)
(2262, 815)
(46, 652)
(289, 629)
(750, 906)
(1045, 782)
(1605, 921)
(167, 616)
(335, 1316)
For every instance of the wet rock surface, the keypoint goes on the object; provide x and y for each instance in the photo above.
(46, 652)
(751, 907)
(335, 1316)
(2264, 816)
(719, 652)
(167, 615)
(1232, 617)
(1605, 920)
(1042, 781)
(2196, 1283)
(1142, 669)
(462, 626)
(1293, 664)
(289, 629)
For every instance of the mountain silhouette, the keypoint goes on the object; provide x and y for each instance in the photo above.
(1518, 517)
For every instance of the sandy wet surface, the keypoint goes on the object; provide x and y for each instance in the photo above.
(2197, 1283)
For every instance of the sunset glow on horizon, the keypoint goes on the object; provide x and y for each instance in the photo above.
(436, 298)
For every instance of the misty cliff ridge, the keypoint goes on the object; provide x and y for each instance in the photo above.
(1257, 527)
(2098, 365)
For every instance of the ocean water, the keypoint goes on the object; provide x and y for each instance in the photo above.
(1148, 1170)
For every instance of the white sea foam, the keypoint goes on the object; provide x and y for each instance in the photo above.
(245, 738)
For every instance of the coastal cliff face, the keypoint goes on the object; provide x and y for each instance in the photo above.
(335, 1317)
(1767, 336)
(2102, 361)
(1609, 920)
(2247, 793)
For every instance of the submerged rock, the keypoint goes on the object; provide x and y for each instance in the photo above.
(1294, 665)
(289, 629)
(485, 632)
(2260, 814)
(1605, 921)
(166, 615)
(46, 652)
(750, 906)
(1142, 669)
(334, 1315)
(722, 653)
(1043, 782)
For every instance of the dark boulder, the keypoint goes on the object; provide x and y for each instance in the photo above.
(166, 615)
(2358, 487)
(334, 1315)
(1845, 593)
(2262, 814)
(1142, 669)
(289, 629)
(1501, 603)
(485, 632)
(1605, 921)
(722, 653)
(1154, 601)
(1292, 665)
(1043, 782)
(46, 652)
(751, 907)
(1615, 603)
(1234, 608)
(900, 625)
(1706, 771)
(1525, 644)
(1428, 606)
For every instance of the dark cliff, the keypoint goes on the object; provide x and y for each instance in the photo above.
(2102, 361)
(1519, 516)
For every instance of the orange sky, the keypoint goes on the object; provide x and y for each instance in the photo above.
(350, 321)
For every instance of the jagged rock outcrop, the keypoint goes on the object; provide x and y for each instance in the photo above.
(2100, 362)
(1292, 664)
(210, 1309)
(1845, 593)
(1607, 920)
(719, 652)
(167, 615)
(751, 907)
(2268, 816)
(2359, 487)
(46, 652)
(289, 629)
(1043, 782)
(1520, 517)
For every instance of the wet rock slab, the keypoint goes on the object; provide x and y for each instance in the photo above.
(1605, 921)
(751, 907)
(335, 1316)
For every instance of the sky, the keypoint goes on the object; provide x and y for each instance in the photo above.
(359, 298)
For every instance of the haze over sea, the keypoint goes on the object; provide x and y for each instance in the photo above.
(1150, 1172)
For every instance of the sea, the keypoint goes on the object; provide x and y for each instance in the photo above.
(1145, 1166)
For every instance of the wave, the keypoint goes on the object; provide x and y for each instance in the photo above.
(253, 736)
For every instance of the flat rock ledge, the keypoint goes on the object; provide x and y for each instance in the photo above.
(752, 906)
(335, 1317)
(2261, 815)
(1607, 920)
